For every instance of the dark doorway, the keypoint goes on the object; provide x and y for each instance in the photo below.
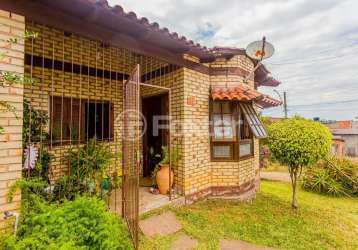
(154, 138)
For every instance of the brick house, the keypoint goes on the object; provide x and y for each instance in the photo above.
(83, 54)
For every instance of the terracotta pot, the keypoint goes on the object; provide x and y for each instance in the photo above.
(163, 178)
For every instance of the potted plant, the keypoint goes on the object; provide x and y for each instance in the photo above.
(161, 171)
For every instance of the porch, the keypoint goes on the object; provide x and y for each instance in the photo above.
(75, 115)
(147, 201)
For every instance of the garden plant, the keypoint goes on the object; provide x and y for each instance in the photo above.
(332, 176)
(298, 143)
(84, 223)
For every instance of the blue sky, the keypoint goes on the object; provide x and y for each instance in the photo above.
(316, 44)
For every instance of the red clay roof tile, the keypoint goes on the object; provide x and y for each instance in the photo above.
(244, 93)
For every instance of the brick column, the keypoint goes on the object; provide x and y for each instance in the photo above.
(11, 26)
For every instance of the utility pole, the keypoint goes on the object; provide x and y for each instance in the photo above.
(285, 103)
(285, 111)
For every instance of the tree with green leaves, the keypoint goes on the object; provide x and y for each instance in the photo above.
(298, 142)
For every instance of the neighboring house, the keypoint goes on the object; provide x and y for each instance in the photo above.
(94, 62)
(348, 132)
(338, 146)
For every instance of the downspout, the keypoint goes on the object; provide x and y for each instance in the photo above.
(9, 214)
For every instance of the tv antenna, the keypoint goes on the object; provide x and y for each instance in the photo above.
(259, 50)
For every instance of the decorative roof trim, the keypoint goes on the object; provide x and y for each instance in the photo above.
(263, 77)
(245, 94)
(155, 27)
(95, 19)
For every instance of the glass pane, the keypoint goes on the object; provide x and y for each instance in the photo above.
(218, 132)
(228, 133)
(227, 120)
(217, 121)
(245, 131)
(245, 149)
(253, 120)
(226, 107)
(217, 107)
(222, 151)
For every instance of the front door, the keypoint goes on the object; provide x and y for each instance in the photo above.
(155, 136)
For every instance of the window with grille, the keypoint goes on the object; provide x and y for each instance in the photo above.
(233, 127)
(76, 120)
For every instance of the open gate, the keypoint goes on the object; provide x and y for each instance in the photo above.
(131, 152)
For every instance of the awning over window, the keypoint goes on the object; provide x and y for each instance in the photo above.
(253, 120)
(244, 93)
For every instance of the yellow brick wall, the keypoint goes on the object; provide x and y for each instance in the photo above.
(189, 107)
(11, 26)
(200, 172)
(197, 172)
(229, 80)
(234, 173)
(51, 43)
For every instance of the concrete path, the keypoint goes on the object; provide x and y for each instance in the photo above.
(165, 224)
(147, 200)
(275, 176)
(184, 242)
(162, 225)
(240, 245)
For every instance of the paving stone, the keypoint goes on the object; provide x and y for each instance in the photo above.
(184, 242)
(162, 224)
(240, 245)
(275, 176)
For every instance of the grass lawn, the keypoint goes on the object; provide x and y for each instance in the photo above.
(321, 222)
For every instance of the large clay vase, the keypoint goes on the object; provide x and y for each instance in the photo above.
(163, 178)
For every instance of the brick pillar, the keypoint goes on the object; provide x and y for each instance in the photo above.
(11, 26)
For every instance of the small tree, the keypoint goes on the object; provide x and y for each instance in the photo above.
(298, 142)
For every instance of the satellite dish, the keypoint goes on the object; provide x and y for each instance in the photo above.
(260, 50)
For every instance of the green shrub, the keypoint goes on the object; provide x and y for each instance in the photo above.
(297, 143)
(333, 176)
(84, 223)
(34, 132)
(34, 126)
(28, 186)
(89, 172)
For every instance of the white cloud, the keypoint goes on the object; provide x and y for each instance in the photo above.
(316, 42)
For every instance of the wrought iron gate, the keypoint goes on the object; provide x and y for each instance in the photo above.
(131, 152)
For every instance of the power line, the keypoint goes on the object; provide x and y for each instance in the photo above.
(312, 61)
(321, 103)
(314, 74)
(272, 112)
(325, 103)
(323, 52)
(354, 44)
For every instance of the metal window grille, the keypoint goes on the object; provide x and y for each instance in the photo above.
(80, 89)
